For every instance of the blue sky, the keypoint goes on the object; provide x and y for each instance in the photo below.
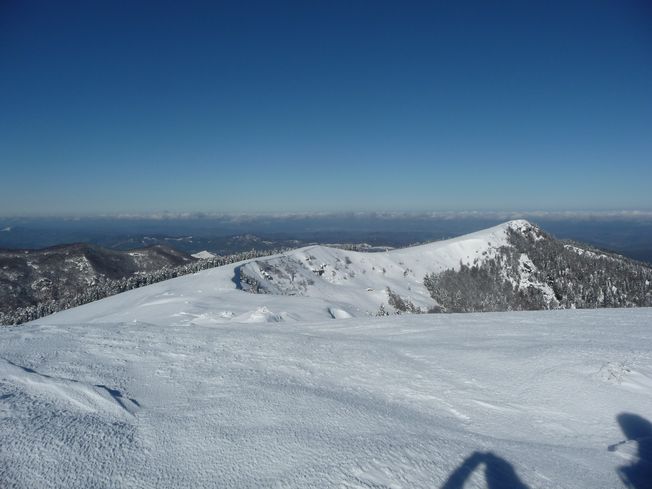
(113, 107)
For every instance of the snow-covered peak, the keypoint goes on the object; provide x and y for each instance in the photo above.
(519, 224)
(525, 228)
(360, 283)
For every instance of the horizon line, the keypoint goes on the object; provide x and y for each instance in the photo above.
(616, 214)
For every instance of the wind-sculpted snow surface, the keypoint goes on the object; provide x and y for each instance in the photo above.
(527, 399)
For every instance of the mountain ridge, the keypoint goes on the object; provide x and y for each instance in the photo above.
(317, 283)
(408, 274)
(32, 277)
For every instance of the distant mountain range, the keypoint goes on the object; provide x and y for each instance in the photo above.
(624, 234)
(30, 277)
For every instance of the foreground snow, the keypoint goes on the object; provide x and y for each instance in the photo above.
(399, 402)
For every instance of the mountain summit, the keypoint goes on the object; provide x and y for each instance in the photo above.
(512, 266)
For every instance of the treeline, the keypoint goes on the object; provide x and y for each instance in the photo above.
(399, 304)
(105, 287)
(583, 277)
(482, 288)
(564, 276)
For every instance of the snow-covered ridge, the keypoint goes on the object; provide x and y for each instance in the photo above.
(582, 251)
(315, 282)
(319, 282)
(362, 279)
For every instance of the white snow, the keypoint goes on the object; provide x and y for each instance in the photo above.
(399, 401)
(193, 383)
(588, 253)
(359, 280)
(526, 269)
(203, 255)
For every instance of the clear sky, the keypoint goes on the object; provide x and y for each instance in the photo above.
(128, 106)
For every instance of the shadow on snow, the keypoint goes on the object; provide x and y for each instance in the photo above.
(499, 473)
(638, 474)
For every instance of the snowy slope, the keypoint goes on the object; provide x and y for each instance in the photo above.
(362, 279)
(513, 266)
(400, 402)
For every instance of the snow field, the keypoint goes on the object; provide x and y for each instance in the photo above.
(395, 402)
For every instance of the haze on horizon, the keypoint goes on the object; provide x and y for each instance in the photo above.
(112, 108)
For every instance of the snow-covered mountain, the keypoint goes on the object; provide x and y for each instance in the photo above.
(196, 382)
(508, 267)
(361, 280)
